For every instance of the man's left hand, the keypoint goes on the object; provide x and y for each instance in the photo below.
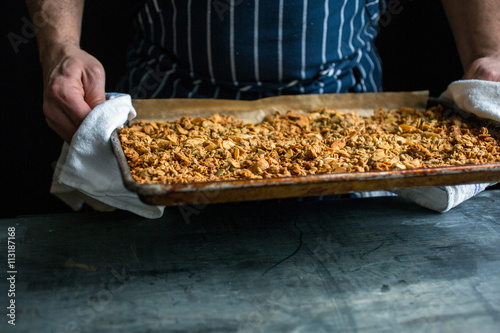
(485, 68)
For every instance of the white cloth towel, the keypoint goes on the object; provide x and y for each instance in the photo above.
(87, 169)
(481, 98)
(441, 198)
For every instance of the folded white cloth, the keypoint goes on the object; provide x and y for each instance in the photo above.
(478, 97)
(481, 98)
(87, 170)
(441, 198)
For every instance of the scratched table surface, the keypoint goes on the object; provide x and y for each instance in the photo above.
(347, 265)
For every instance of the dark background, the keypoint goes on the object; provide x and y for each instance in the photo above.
(415, 43)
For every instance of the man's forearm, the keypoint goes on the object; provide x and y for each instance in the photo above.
(476, 27)
(58, 22)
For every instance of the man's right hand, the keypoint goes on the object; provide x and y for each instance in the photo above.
(73, 86)
(73, 79)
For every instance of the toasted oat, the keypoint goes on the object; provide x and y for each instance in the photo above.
(283, 145)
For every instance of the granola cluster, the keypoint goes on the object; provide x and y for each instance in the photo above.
(291, 144)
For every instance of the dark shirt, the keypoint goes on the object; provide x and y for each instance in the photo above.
(247, 49)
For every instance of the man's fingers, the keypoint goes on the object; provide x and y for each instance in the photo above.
(64, 109)
(487, 68)
(66, 96)
(62, 125)
(485, 74)
(93, 79)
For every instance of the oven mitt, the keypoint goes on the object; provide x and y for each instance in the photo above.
(87, 170)
(481, 98)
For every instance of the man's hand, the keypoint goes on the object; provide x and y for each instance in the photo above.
(476, 27)
(73, 86)
(485, 68)
(73, 79)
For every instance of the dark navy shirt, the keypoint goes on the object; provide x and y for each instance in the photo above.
(247, 49)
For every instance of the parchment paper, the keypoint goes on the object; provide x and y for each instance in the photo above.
(255, 111)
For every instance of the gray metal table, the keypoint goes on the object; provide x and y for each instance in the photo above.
(349, 265)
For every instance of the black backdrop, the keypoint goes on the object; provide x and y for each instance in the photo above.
(415, 43)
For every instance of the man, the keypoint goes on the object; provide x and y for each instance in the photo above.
(244, 50)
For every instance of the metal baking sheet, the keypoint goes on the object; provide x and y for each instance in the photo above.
(302, 186)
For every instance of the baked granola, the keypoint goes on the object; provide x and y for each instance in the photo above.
(292, 144)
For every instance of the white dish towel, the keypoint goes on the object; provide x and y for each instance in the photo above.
(481, 98)
(87, 170)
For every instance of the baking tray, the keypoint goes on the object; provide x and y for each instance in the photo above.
(203, 193)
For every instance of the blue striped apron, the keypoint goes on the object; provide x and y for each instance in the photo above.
(248, 49)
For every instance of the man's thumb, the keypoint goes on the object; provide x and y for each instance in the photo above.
(95, 100)
(94, 88)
